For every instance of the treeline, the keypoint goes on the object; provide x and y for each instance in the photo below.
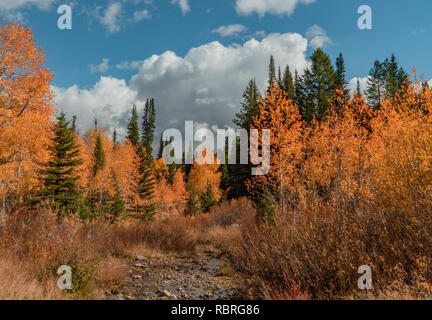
(313, 92)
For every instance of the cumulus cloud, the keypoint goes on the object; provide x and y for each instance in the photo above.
(317, 37)
(262, 7)
(230, 30)
(111, 17)
(352, 85)
(184, 5)
(109, 101)
(101, 68)
(204, 86)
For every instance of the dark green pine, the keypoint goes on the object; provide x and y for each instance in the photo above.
(59, 175)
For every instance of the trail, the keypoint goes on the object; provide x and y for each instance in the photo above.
(171, 277)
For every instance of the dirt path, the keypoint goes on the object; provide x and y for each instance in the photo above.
(203, 277)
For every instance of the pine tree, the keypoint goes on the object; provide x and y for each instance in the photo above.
(287, 83)
(98, 156)
(322, 84)
(147, 181)
(133, 129)
(114, 136)
(249, 106)
(73, 127)
(341, 82)
(375, 90)
(148, 127)
(272, 71)
(395, 77)
(161, 147)
(60, 177)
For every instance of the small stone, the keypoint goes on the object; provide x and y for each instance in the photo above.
(141, 258)
(119, 297)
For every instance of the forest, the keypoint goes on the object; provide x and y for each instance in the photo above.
(349, 185)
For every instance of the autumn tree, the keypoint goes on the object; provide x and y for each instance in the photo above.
(26, 108)
(281, 116)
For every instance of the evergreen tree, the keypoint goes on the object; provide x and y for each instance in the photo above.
(341, 82)
(161, 147)
(375, 90)
(98, 156)
(322, 83)
(73, 127)
(287, 83)
(114, 136)
(272, 71)
(60, 178)
(147, 181)
(249, 106)
(358, 91)
(148, 127)
(133, 129)
(395, 76)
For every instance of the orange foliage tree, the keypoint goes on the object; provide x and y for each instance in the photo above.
(26, 107)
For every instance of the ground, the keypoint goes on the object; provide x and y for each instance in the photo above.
(205, 276)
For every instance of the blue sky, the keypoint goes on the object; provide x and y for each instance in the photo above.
(181, 35)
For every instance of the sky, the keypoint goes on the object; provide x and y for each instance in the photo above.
(195, 57)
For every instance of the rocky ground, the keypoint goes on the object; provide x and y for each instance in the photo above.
(203, 277)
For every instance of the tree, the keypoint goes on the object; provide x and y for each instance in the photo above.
(99, 156)
(26, 110)
(60, 178)
(322, 83)
(283, 117)
(395, 77)
(272, 71)
(375, 90)
(148, 127)
(147, 180)
(341, 82)
(249, 106)
(133, 129)
(287, 83)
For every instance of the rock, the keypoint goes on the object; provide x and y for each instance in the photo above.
(137, 277)
(169, 294)
(119, 297)
(141, 258)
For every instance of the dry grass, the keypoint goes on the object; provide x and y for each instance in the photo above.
(42, 243)
(18, 283)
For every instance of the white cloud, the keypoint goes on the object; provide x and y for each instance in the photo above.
(204, 86)
(352, 85)
(141, 15)
(184, 5)
(17, 4)
(109, 101)
(317, 37)
(101, 68)
(262, 7)
(111, 17)
(132, 65)
(230, 30)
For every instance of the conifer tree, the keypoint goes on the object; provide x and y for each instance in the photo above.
(375, 90)
(60, 177)
(272, 71)
(341, 82)
(147, 181)
(98, 156)
(322, 84)
(249, 106)
(133, 129)
(287, 83)
(148, 127)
